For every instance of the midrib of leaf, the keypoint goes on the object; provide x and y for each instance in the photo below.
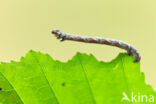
(86, 77)
(11, 86)
(42, 68)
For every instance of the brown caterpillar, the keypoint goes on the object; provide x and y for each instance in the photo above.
(117, 43)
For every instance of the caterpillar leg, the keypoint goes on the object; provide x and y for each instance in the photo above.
(58, 37)
(137, 58)
(63, 38)
(129, 52)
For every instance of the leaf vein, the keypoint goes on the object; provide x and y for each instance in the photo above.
(85, 73)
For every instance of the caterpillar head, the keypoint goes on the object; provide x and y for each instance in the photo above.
(55, 32)
(58, 34)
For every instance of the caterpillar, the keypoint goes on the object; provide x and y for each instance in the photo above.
(99, 40)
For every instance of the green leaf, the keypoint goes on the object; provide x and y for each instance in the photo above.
(39, 79)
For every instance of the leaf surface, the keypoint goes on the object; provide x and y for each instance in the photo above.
(39, 79)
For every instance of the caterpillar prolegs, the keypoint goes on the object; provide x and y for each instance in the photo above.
(117, 43)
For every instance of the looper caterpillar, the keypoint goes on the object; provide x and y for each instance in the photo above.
(117, 43)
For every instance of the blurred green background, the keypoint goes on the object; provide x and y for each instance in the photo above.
(27, 24)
